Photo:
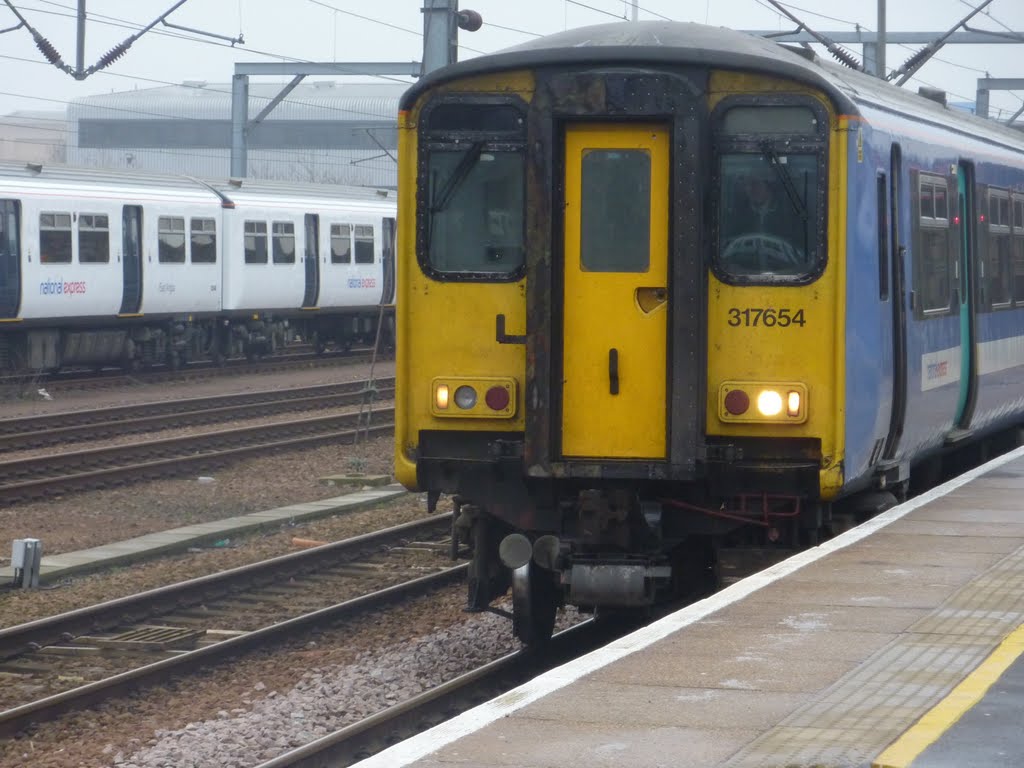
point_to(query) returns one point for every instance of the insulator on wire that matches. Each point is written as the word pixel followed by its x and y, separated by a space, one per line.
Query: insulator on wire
pixel 113 55
pixel 843 56
pixel 46 48
pixel 911 64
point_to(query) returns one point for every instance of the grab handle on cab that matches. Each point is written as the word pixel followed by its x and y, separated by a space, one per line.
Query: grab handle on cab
pixel 613 371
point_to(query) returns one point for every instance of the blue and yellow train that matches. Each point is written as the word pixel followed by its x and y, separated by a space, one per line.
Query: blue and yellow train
pixel 665 286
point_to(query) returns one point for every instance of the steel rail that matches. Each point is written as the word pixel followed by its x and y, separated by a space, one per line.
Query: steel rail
pixel 19 718
pixel 24 638
pixel 193 371
pixel 35 431
pixel 370 735
pixel 206 450
pixel 185 444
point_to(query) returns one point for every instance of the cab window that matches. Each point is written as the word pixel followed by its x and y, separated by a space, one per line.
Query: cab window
pixel 770 213
pixel 472 191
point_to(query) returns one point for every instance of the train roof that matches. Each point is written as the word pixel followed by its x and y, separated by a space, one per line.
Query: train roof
pixel 669 42
pixel 675 42
pixel 228 190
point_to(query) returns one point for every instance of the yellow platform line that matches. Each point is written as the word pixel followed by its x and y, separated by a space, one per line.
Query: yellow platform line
pixel 902 752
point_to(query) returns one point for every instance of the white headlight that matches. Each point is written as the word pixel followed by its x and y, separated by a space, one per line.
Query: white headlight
pixel 769 402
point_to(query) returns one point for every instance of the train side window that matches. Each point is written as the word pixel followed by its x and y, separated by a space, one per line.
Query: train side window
pixel 998 260
pixel 934 275
pixel 1018 248
pixel 341 243
pixel 204 241
pixel 284 242
pixel 55 238
pixel 255 242
pixel 364 245
pixel 171 243
pixel 93 238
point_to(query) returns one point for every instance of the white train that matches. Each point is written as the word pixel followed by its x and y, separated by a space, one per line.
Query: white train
pixel 110 268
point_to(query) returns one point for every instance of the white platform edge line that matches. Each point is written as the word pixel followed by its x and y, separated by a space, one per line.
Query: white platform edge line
pixel 423 744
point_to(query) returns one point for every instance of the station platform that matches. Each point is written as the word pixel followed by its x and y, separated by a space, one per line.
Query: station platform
pixel 56 567
pixel 893 645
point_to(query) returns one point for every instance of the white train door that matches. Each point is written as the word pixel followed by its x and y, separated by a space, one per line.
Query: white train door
pixel 10 258
pixel 131 260
pixel 388 291
pixel 312 260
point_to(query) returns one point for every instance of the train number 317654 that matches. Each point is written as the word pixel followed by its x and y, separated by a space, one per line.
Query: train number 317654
pixel 753 316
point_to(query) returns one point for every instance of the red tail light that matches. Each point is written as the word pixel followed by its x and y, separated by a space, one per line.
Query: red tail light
pixel 497 398
pixel 737 402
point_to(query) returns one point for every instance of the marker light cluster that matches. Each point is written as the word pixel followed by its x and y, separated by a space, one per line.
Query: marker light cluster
pixel 756 402
pixel 477 397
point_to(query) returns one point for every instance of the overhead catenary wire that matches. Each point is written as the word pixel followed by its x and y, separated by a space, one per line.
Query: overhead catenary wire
pixel 116 21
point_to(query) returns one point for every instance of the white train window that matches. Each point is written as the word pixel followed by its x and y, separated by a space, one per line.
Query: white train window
pixel 93 238
pixel 255 242
pixel 364 245
pixel 171 231
pixel 204 241
pixel 55 238
pixel 284 242
pixel 341 243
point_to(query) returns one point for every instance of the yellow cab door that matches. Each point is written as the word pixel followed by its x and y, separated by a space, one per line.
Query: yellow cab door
pixel 615 304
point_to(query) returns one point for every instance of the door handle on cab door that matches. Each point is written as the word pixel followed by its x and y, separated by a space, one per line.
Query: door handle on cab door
pixel 613 371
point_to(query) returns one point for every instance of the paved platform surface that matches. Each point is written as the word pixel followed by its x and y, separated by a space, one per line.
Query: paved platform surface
pixel 55 567
pixel 826 659
pixel 989 734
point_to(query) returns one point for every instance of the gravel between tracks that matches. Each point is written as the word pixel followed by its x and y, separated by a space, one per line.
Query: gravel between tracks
pixel 267 702
pixel 92 518
pixel 75 400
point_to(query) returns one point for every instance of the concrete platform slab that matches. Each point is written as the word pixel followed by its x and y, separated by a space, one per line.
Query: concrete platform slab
pixel 774 644
pixel 65 564
pixel 939 546
pixel 828 618
pixel 853 571
pixel 543 744
pixel 942 528
pixel 821 661
pixel 590 701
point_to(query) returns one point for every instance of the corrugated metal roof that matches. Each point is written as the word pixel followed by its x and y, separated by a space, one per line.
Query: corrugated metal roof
pixel 314 166
pixel 323 100
pixel 96 177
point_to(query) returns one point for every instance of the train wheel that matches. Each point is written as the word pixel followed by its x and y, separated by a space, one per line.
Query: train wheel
pixel 534 604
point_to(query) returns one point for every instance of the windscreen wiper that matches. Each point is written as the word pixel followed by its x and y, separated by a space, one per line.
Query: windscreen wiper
pixel 787 183
pixel 458 176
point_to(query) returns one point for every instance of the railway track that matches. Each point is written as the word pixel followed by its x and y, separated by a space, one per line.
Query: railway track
pixel 74 426
pixel 369 736
pixel 76 470
pixel 145 639
pixel 16 385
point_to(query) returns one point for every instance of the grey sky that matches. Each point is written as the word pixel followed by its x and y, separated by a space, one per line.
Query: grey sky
pixel 310 30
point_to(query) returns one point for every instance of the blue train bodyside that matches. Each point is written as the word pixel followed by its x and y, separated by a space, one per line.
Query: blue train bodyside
pixel 964 364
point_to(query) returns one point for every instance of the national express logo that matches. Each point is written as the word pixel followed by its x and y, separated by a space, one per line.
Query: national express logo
pixel 938 370
pixel 362 282
pixel 60 288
